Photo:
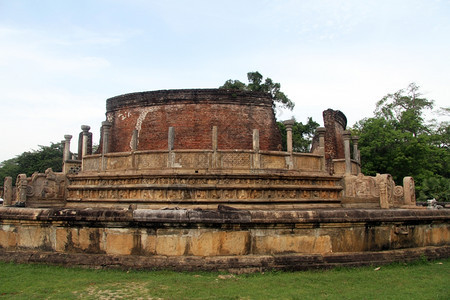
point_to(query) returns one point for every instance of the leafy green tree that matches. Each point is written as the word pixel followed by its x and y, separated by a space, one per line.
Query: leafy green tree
pixel 435 187
pixel 256 84
pixel 302 135
pixel 399 142
pixel 33 161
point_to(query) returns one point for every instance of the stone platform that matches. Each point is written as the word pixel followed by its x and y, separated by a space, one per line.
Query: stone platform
pixel 222 239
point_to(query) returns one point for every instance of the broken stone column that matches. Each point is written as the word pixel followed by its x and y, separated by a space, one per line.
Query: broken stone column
pixel 215 156
pixel 171 138
pixel 256 140
pixel 214 138
pixel 170 145
pixel 348 163
pixel 67 138
pixel 134 140
pixel 320 131
pixel 106 127
pixel 7 191
pixel 356 156
pixel 289 124
pixel 409 191
pixel 256 155
pixel 21 185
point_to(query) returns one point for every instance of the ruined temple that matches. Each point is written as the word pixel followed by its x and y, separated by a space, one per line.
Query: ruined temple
pixel 200 174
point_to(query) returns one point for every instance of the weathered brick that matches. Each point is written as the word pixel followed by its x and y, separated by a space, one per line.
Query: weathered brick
pixel 192 113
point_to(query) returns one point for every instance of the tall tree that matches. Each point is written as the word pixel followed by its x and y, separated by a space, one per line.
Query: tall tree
pixel 256 84
pixel 33 161
pixel 398 141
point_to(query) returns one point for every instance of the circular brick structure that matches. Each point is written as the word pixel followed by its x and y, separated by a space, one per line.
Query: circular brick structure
pixel 192 113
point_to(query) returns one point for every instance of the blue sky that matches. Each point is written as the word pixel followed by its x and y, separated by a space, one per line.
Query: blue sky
pixel 61 60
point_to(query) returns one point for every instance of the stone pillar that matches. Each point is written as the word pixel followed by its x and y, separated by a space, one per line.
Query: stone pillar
pixel 355 148
pixel 256 155
pixel 386 188
pixel 214 138
pixel 134 140
pixel 215 156
pixel 66 156
pixel 171 138
pixel 320 131
pixel 63 145
pixel 348 163
pixel 85 144
pixel 409 191
pixel 356 155
pixel 7 191
pixel 170 143
pixel 21 185
pixel 289 124
pixel 256 140
pixel 106 126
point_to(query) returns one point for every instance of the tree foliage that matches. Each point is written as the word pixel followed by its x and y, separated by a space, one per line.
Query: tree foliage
pixel 33 161
pixel 302 135
pixel 399 142
pixel 256 84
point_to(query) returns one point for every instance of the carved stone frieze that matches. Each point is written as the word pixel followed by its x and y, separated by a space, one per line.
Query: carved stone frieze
pixel 382 188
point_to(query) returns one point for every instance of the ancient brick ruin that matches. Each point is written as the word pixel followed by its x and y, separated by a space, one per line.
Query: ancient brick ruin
pixel 201 174
pixel 192 114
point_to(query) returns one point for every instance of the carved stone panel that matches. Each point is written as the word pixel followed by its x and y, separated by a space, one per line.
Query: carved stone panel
pixel 409 191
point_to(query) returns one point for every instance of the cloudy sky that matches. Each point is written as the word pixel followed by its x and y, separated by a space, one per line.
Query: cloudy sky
pixel 61 60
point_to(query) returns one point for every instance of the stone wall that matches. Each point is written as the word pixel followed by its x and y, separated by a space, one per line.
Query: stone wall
pixel 192 114
pixel 203 191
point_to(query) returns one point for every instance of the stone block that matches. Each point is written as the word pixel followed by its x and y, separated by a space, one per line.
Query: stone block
pixel 280 244
pixel 148 243
pixel 234 243
pixel 61 239
pixel 205 244
pixel 171 245
pixel 31 237
pixel 8 238
pixel 119 241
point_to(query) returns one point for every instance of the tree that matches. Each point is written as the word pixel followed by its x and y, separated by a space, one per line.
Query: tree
pixel 404 108
pixel 256 84
pixel 302 135
pixel 399 142
pixel 33 161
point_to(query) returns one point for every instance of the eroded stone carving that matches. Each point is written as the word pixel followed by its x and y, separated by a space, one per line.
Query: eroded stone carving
pixel 40 186
pixel 382 187
pixel 7 192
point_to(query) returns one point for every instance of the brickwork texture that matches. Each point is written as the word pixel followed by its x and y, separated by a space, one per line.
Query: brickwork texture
pixel 192 113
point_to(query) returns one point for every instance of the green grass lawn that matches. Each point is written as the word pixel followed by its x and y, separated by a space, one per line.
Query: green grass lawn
pixel 420 280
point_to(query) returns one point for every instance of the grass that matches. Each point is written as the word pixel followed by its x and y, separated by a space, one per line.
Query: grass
pixel 419 280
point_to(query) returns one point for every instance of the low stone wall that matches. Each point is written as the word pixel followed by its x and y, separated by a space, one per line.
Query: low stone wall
pixel 204 160
pixel 225 235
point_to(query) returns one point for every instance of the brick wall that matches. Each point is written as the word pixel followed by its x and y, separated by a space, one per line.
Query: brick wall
pixel 192 113
pixel 335 123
